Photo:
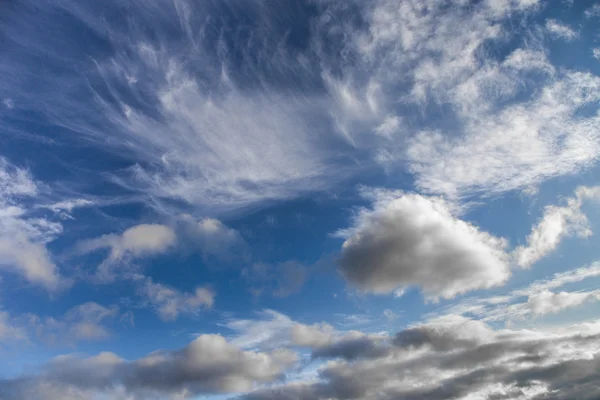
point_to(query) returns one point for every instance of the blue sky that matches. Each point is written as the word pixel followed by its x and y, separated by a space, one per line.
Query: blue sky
pixel 299 199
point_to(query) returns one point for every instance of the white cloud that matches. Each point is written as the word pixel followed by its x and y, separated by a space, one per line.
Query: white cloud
pixel 559 30
pixel 214 238
pixel 138 241
pixel 547 302
pixel 271 330
pixel 516 147
pixel 555 224
pixel 417 240
pixel 170 302
pixel 538 298
pixel 23 236
pixel 596 53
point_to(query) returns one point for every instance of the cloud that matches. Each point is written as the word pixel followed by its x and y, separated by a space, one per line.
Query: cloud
pixel 170 302
pixel 538 298
pixel 561 31
pixel 9 331
pixel 214 238
pixel 515 147
pixel 458 358
pixel 24 235
pixel 547 302
pixel 555 224
pixel 596 53
pixel 138 241
pixel 207 365
pixel 86 322
pixel 416 240
pixel 270 330
pixel 593 11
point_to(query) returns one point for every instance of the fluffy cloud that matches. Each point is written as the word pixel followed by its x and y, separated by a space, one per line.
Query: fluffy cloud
pixel 138 241
pixel 214 238
pixel 457 358
pixel 24 235
pixel 416 240
pixel 170 302
pixel 209 364
pixel 555 224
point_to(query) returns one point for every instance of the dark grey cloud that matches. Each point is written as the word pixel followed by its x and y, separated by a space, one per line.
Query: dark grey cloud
pixel 209 364
pixel 456 358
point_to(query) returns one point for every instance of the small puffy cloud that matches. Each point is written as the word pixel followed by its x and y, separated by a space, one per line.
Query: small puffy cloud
pixel 596 53
pixel 314 336
pixel 556 224
pixel 214 238
pixel 417 240
pixel 138 241
pixel 560 30
pixel 207 365
pixel 170 302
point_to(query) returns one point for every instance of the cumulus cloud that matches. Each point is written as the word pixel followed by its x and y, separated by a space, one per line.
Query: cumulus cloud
pixel 559 30
pixel 417 240
pixel 209 364
pixel 24 235
pixel 457 358
pixel 555 224
pixel 138 241
pixel 170 302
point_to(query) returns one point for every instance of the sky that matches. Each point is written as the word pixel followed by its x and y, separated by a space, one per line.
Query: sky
pixel 299 199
